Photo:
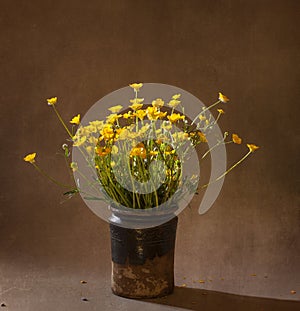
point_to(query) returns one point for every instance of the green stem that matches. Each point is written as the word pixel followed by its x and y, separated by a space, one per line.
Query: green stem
pixel 204 110
pixel 49 177
pixel 230 169
pixel 62 121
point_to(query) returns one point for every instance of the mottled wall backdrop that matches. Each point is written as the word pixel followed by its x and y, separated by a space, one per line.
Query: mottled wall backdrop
pixel 79 51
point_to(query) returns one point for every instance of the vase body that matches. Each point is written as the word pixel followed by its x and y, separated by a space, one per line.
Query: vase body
pixel 143 260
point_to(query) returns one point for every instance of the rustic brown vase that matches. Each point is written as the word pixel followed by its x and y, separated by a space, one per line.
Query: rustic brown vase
pixel 143 260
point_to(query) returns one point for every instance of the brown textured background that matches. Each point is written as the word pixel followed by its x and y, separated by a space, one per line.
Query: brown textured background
pixel 83 50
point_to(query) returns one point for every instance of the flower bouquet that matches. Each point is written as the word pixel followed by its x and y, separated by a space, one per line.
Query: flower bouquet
pixel 138 157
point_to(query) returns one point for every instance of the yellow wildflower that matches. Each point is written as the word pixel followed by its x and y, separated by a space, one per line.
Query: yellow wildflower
pixel 158 102
pixel 202 137
pixel 252 147
pixel 115 109
pixel 114 149
pixel 180 136
pixel 167 126
pixel 76 119
pixel 202 118
pixel 223 98
pixel 153 153
pixel 74 166
pixel 52 101
pixel 152 113
pixel 136 86
pixel 30 157
pixel 173 103
pixel 113 117
pixel 221 111
pixel 236 139
pixel 107 132
pixel 139 150
pixel 112 163
pixel 128 115
pixel 174 117
pixel 168 152
pixel 102 151
pixel 140 114
pixel 136 103
pixel 176 96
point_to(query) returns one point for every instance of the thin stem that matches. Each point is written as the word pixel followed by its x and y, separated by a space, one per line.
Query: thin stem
pixel 231 168
pixel 49 177
pixel 204 110
pixel 62 121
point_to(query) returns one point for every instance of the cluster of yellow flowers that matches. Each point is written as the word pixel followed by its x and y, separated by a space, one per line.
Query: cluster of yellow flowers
pixel 97 141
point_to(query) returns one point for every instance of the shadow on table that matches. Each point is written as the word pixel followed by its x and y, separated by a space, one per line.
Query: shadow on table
pixel 204 300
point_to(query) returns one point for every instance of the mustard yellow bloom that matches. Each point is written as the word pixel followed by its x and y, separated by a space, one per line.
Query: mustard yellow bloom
pixel 107 132
pixel 152 113
pixel 252 147
pixel 136 103
pixel 112 163
pixel 115 109
pixel 76 119
pixel 128 115
pixel 158 102
pixel 112 118
pixel 52 101
pixel 173 103
pixel 176 96
pixel 30 157
pixel 202 137
pixel 202 118
pixel 168 152
pixel 136 86
pixel 180 136
pixel 236 139
pixel 223 98
pixel 174 117
pixel 74 166
pixel 221 111
pixel 139 150
pixel 153 153
pixel 102 151
pixel 140 114
pixel 114 149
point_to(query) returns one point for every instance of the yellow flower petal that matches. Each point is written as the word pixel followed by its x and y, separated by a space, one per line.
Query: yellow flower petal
pixel 136 86
pixel 252 147
pixel 173 103
pixel 30 157
pixel 174 117
pixel 221 111
pixel 136 103
pixel 176 96
pixel 74 166
pixel 76 119
pixel 140 114
pixel 115 109
pixel 223 98
pixel 236 139
pixel 158 102
pixel 52 101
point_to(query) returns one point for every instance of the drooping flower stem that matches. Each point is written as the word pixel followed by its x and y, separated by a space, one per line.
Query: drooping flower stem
pixel 204 110
pixel 62 121
pixel 49 177
pixel 230 169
